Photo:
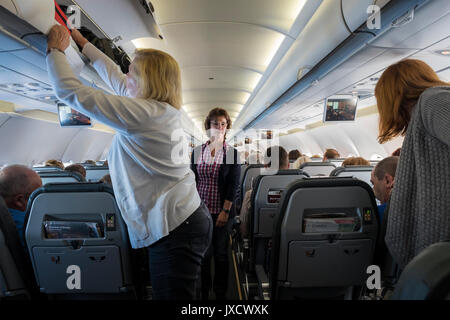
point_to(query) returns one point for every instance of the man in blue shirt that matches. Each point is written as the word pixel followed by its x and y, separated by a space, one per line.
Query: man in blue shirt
pixel 17 182
pixel 382 179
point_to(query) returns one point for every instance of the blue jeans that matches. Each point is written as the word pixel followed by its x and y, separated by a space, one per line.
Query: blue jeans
pixel 175 260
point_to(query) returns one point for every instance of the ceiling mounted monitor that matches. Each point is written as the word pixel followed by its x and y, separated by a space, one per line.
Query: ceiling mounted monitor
pixel 340 108
pixel 69 117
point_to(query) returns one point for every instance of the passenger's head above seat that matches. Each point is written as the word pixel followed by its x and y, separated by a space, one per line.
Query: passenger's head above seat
pixel 297 163
pixel 78 168
pixel 383 178
pixel 355 161
pixel 54 163
pixel 283 159
pixel 90 162
pixel 294 155
pixel 330 154
pixel 106 179
pixel 17 182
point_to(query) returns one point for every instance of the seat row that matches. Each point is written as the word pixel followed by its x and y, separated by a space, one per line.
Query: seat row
pixel 76 241
pixel 57 175
pixel 310 238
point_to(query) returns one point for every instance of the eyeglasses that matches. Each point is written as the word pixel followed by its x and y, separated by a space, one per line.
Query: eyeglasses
pixel 217 124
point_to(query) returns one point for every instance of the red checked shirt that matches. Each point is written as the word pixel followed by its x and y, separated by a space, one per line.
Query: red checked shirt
pixel 208 177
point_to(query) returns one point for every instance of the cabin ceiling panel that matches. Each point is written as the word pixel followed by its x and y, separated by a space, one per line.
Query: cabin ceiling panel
pixel 275 14
pixel 201 109
pixel 223 77
pixel 213 96
pixel 221 44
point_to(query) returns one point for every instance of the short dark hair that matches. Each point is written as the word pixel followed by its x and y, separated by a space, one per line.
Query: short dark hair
pixel 282 154
pixel 214 114
pixel 387 165
pixel 294 154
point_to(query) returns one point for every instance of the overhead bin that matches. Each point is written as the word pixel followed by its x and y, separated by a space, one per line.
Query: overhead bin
pixel 139 18
pixel 23 71
pixel 38 13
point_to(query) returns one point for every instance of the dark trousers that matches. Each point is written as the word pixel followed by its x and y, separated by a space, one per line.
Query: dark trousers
pixel 175 260
pixel 219 250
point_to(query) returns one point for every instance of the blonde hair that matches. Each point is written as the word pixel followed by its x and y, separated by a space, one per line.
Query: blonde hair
pixel 158 76
pixel 54 163
pixel 301 160
pixel 397 92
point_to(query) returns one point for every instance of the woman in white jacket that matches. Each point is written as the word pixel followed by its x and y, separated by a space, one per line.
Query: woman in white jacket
pixel 156 194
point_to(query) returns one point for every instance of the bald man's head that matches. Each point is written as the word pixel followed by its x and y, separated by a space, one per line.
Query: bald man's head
pixel 17 182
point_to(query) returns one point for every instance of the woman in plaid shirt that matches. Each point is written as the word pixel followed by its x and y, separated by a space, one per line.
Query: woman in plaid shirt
pixel 217 169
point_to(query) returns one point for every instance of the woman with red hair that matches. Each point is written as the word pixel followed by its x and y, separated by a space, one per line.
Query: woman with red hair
pixel 413 101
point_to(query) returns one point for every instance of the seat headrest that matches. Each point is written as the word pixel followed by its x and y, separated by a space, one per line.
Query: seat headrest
pixel 71 187
pixel 60 174
pixel 317 164
pixel 338 170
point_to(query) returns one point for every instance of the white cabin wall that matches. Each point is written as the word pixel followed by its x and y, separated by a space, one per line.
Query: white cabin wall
pixel 88 145
pixel 356 138
pixel 30 141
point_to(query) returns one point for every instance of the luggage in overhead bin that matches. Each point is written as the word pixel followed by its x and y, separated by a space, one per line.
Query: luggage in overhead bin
pixel 108 47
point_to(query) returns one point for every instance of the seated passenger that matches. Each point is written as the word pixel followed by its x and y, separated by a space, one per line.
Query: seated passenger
pixel 54 163
pixel 412 101
pixel 78 168
pixel 106 179
pixel 355 161
pixel 17 182
pixel 396 153
pixel 294 155
pixel 283 161
pixel 330 154
pixel 301 160
pixel 90 162
pixel 382 178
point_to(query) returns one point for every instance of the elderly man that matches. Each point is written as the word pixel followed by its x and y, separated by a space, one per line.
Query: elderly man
pixel 382 179
pixel 17 182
